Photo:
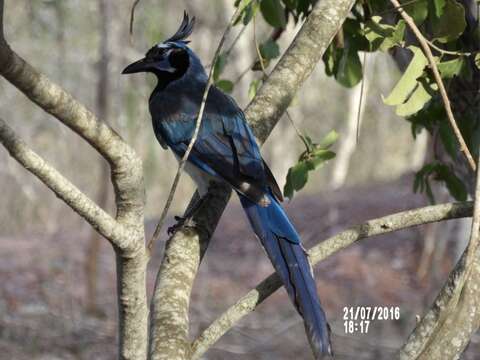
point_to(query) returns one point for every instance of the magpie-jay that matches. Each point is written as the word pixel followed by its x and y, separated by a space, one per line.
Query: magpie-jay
pixel 226 150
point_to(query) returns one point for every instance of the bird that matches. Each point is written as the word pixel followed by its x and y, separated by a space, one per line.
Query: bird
pixel 226 151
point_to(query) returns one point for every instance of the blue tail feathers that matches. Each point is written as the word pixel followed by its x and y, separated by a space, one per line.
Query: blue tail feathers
pixel 282 244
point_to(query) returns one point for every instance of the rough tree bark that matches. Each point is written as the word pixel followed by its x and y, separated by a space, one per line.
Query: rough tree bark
pixel 126 231
pixel 446 328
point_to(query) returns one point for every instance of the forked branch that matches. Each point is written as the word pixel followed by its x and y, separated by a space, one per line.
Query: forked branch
pixel 324 249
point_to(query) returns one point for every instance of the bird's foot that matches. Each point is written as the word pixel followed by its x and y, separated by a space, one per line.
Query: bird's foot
pixel 181 222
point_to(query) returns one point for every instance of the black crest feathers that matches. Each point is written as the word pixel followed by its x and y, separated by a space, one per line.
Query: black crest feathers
pixel 185 29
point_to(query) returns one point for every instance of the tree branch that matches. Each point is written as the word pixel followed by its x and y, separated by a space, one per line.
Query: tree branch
pixel 126 166
pixel 278 91
pixel 438 79
pixel 263 113
pixel 375 227
pixel 127 179
pixel 169 311
pixel 64 189
pixel 446 328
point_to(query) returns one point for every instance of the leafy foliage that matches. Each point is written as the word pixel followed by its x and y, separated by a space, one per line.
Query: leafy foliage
pixel 439 172
pixel 374 25
pixel 223 84
pixel 315 156
pixel 273 12
pixel 415 96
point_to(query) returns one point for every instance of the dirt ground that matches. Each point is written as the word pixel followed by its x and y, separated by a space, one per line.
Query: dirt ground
pixel 42 292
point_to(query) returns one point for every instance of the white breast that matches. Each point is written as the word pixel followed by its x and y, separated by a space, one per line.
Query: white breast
pixel 200 177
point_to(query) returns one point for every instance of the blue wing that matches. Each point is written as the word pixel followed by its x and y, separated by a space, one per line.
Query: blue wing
pixel 225 146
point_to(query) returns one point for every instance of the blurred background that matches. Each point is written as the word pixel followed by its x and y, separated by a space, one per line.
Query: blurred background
pixel 57 279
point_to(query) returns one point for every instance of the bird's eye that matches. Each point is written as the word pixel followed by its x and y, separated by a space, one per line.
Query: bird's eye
pixel 155 53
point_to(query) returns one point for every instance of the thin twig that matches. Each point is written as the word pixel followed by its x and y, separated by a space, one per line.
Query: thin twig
pixel 448 52
pixel 321 251
pixel 132 18
pixel 231 47
pixel 195 135
pixel 438 79
pixel 100 220
pixel 362 91
pixel 475 232
pixel 406 3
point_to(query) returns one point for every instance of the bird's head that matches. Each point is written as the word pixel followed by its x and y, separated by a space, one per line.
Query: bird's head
pixel 170 58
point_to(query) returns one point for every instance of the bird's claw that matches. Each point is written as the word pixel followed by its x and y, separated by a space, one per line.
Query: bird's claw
pixel 181 222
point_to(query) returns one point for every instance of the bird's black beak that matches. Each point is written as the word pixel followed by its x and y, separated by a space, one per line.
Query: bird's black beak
pixel 136 67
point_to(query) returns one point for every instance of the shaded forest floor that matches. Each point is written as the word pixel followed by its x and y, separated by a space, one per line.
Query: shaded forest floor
pixel 42 291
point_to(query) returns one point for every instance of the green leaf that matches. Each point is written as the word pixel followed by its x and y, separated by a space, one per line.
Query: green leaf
pixel 477 60
pixel 320 157
pixel 454 185
pixel 354 35
pixel 248 14
pixel 315 156
pixel 451 68
pixel 273 13
pixel 417 9
pixel 408 81
pixel 450 24
pixel 328 140
pixel 443 173
pixel 422 181
pixel 247 9
pixel 349 72
pixel 420 96
pixel 296 179
pixel 329 60
pixel 252 89
pixel 269 49
pixel 439 6
pixel 291 4
pixel 396 39
pixel 449 140
pixel 383 36
pixel 219 66
pixel 225 85
pixel 307 141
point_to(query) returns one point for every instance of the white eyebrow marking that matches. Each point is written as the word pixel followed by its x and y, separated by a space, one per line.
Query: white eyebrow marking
pixel 164 45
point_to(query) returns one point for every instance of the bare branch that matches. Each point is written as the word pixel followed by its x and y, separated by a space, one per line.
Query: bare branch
pixel 379 226
pixel 263 113
pixel 126 166
pixel 127 179
pixel 445 330
pixel 438 79
pixel 64 189
pixel 132 18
